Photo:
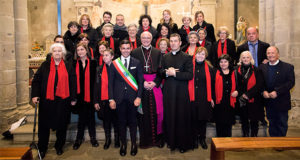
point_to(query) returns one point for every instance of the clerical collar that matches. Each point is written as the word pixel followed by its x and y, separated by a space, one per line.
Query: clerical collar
pixel 175 52
pixel 274 63
pixel 147 48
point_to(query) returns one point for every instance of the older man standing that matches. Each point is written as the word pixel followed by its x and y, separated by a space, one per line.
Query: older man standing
pixel 150 122
pixel 255 46
pixel 279 80
pixel 120 29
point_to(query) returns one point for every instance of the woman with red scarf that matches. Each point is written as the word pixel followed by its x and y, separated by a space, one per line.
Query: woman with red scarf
pixel 205 43
pixel 223 46
pixel 145 23
pixel 225 97
pixel 107 32
pixel 85 68
pixel 191 47
pixel 200 92
pixel 84 38
pixel 185 30
pixel 250 83
pixel 53 86
pixel 102 46
pixel 164 45
pixel 134 40
pixel 101 102
pixel 164 32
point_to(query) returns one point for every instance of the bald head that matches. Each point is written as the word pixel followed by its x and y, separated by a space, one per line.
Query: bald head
pixel 146 38
pixel 273 54
pixel 252 34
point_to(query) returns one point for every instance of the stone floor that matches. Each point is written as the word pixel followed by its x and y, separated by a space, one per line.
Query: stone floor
pixel 87 152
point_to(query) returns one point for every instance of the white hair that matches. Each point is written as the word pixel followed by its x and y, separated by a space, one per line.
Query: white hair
pixel 245 53
pixel 64 51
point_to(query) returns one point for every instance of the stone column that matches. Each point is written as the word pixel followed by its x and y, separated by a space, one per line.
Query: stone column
pixel 279 25
pixel 8 89
pixel 21 49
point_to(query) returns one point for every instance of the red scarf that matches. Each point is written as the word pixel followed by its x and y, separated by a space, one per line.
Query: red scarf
pixel 104 84
pixel 81 30
pixel 111 42
pixel 87 96
pixel 100 60
pixel 251 82
pixel 220 48
pixel 62 88
pixel 187 30
pixel 187 51
pixel 156 45
pixel 203 43
pixel 219 88
pixel 92 52
pixel 146 29
pixel 208 83
pixel 133 46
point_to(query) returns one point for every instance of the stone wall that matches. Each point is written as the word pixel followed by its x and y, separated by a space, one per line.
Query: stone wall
pixel 279 25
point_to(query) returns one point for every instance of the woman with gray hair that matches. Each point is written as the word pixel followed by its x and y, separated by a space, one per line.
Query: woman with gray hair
pixel 134 40
pixel 192 45
pixel 54 87
pixel 250 81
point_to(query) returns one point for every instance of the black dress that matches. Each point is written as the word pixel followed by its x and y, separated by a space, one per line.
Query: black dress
pixel 53 114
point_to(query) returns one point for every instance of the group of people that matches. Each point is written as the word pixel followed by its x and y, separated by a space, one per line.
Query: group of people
pixel 167 82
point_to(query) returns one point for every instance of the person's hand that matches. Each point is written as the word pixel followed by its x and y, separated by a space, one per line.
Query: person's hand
pixel 273 94
pixel 152 84
pixel 245 96
pixel 137 102
pixel 234 94
pixel 146 85
pixel 266 95
pixel 97 106
pixel 73 103
pixel 112 104
pixel 35 100
pixel 212 103
pixel 265 61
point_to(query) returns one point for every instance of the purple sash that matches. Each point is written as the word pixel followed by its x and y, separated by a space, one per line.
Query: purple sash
pixel 158 101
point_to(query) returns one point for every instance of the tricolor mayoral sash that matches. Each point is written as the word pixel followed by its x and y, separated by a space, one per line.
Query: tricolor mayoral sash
pixel 128 78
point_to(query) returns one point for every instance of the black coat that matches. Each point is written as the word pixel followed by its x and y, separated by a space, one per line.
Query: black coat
pixel 117 84
pixel 138 41
pixel 184 35
pixel 173 29
pixel 284 81
pixel 261 50
pixel 70 41
pixel 53 113
pixel 98 82
pixel 116 47
pixel 255 110
pixel 209 29
pixel 99 28
pixel 93 36
pixel 152 30
pixel 231 51
pixel 120 34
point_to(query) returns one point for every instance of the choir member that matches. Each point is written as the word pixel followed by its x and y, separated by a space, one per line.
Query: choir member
pixel 107 32
pixel 101 102
pixel 86 27
pixel 192 45
pixel 164 45
pixel 54 89
pixel 200 92
pixel 169 21
pixel 223 46
pixel 150 122
pixel 225 96
pixel 106 19
pixel 185 30
pixel 249 80
pixel 103 45
pixel 201 23
pixel 145 23
pixel 134 40
pixel 70 37
pixel 163 32
pixel 205 43
pixel 125 92
pixel 177 70
pixel 120 30
pixel 85 68
pixel 84 38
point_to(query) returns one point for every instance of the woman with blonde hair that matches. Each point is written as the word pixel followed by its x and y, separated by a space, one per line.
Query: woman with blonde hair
pixel 201 23
pixel 113 43
pixel 168 20
pixel 185 29
pixel 86 27
pixel 250 82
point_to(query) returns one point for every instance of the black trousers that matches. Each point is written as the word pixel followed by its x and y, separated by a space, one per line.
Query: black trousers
pixel 44 133
pixel 199 129
pixel 224 130
pixel 249 124
pixel 86 118
pixel 127 115
pixel 110 118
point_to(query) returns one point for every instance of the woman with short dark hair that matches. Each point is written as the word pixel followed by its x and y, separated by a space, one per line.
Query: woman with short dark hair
pixel 145 23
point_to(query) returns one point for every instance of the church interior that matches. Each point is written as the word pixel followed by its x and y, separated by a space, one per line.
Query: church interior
pixel 29 26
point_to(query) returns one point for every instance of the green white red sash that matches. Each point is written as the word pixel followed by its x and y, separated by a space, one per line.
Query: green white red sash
pixel 129 79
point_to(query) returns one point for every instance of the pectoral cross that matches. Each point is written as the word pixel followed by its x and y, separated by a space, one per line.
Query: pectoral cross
pixel 146 67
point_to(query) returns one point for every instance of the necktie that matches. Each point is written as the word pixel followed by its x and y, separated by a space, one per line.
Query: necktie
pixel 125 64
pixel 254 54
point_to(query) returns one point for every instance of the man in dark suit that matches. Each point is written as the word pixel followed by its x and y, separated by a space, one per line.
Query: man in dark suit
pixel 125 91
pixel 255 46
pixel 279 80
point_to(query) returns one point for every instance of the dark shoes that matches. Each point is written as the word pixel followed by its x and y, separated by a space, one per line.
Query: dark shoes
pixel 77 144
pixel 203 143
pixel 94 142
pixel 123 150
pixel 134 149
pixel 59 151
pixel 43 154
pixel 107 143
pixel 117 141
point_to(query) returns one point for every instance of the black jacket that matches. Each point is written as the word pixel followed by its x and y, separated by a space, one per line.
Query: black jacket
pixel 209 29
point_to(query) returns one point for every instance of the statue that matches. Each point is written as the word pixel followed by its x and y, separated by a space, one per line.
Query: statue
pixel 241 31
